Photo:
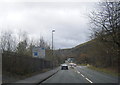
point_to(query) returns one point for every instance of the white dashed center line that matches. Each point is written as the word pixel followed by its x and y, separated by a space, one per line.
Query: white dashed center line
pixel 78 71
pixel 82 75
pixel 89 80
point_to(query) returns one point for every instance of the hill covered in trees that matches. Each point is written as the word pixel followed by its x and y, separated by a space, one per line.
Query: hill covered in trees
pixel 94 52
pixel 103 50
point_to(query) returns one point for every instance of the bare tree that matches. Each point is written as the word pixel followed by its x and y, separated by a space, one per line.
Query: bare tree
pixel 106 22
pixel 42 43
pixel 106 28
pixel 7 41
pixel 23 43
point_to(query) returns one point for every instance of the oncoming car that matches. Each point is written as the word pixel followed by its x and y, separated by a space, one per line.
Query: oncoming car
pixel 72 64
pixel 64 67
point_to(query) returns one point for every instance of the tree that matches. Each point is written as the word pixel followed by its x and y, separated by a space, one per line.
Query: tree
pixel 42 43
pixel 22 47
pixel 30 47
pixel 106 27
pixel 7 41
pixel 106 22
pixel 23 43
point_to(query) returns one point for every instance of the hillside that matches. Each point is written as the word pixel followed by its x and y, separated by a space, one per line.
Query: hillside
pixel 94 52
pixel 75 51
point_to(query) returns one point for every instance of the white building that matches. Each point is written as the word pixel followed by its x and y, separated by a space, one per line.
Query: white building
pixel 38 52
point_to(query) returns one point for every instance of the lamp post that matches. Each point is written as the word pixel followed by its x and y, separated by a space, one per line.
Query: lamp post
pixel 52 38
pixel 52 44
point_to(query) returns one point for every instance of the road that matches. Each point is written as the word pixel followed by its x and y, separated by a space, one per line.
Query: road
pixel 81 74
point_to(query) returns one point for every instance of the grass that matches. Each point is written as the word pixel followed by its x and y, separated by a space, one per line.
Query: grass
pixel 81 64
pixel 14 77
pixel 37 72
pixel 110 71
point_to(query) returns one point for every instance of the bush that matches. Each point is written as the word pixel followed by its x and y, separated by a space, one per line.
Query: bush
pixel 22 64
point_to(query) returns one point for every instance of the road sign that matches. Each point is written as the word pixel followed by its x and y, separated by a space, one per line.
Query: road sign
pixel 38 52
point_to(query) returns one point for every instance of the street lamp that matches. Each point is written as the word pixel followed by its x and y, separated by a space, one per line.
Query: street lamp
pixel 52 38
pixel 52 44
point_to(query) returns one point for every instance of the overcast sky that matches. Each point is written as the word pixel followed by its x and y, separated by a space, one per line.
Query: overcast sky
pixel 38 18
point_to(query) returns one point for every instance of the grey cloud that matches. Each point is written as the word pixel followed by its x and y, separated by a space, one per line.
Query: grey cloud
pixel 68 19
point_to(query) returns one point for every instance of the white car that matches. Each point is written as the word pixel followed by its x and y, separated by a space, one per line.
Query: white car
pixel 64 67
pixel 72 64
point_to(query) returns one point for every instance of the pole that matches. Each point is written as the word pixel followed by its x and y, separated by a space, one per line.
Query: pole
pixel 52 42
pixel 52 47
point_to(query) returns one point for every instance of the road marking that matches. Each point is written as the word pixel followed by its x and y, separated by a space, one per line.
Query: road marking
pixel 75 71
pixel 89 80
pixel 82 75
pixel 78 71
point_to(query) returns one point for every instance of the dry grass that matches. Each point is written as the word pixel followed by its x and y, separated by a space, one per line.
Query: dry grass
pixel 11 77
pixel 111 71
pixel 81 64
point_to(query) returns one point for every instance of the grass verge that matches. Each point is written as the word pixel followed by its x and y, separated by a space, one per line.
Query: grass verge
pixel 111 71
pixel 12 77
pixel 81 64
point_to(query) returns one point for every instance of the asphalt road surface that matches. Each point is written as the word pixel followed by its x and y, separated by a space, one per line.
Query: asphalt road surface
pixel 81 74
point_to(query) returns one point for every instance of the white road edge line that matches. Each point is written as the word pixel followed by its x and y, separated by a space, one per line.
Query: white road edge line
pixel 89 80
pixel 82 75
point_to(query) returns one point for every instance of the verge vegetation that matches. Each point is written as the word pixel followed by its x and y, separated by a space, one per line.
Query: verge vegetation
pixel 110 71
